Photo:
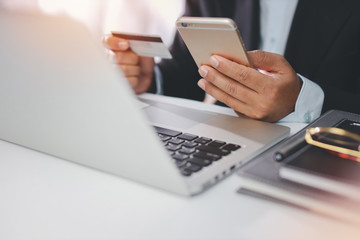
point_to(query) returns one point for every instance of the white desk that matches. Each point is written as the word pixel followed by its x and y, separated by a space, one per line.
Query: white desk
pixel 43 197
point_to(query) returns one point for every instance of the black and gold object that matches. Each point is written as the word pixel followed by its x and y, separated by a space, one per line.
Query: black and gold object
pixel 343 143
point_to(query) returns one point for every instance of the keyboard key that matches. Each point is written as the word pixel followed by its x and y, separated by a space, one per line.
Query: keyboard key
pixel 171 147
pixel 190 144
pixel 164 138
pixel 216 143
pixel 221 152
pixel 180 164
pixel 208 156
pixel 200 161
pixel 186 172
pixel 180 157
pixel 167 132
pixel 192 167
pixel 176 141
pixel 187 136
pixel 231 147
pixel 187 151
pixel 203 140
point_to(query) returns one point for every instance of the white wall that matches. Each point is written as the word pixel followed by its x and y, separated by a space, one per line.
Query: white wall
pixel 143 16
pixel 102 16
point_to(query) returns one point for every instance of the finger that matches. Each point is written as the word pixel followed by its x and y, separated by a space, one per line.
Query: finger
pixel 147 71
pixel 126 58
pixel 228 85
pixel 267 61
pixel 115 44
pixel 147 65
pixel 241 108
pixel 131 70
pixel 247 76
pixel 133 81
pixel 223 97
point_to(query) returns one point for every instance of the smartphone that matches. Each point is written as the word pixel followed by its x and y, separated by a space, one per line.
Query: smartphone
pixel 206 36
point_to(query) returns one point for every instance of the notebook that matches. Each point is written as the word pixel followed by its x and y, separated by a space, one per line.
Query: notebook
pixel 262 177
pixel 321 169
pixel 60 95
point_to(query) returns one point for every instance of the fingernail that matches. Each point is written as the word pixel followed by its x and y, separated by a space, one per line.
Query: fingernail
pixel 123 45
pixel 203 71
pixel 201 84
pixel 214 61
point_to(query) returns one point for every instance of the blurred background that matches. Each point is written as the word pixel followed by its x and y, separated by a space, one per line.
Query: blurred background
pixel 102 16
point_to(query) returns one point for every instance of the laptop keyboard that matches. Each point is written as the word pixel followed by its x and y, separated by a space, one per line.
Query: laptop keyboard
pixel 192 153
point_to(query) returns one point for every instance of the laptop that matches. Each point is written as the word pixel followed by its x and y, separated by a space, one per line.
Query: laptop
pixel 60 95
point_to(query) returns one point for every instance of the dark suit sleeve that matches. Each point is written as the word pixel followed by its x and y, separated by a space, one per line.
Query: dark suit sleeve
pixel 340 98
pixel 337 72
pixel 324 46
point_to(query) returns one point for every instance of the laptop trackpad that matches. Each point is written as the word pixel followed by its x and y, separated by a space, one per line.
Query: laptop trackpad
pixel 176 116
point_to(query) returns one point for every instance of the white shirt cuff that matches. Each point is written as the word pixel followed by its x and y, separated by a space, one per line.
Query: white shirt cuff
pixel 309 103
pixel 158 81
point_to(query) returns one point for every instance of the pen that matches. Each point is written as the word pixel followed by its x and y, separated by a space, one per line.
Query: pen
pixel 289 149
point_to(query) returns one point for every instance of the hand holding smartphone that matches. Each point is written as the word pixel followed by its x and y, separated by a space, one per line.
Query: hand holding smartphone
pixel 205 36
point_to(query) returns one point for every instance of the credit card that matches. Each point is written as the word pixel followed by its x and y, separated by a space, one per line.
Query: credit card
pixel 145 45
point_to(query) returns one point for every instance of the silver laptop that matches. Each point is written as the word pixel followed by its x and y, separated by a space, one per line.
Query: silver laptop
pixel 61 96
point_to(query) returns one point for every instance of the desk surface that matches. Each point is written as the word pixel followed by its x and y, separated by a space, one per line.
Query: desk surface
pixel 43 197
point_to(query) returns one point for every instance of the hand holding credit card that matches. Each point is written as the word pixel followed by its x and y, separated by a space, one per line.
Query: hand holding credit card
pixel 145 45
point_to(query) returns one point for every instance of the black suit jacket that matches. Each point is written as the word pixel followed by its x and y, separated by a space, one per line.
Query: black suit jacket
pixel 323 45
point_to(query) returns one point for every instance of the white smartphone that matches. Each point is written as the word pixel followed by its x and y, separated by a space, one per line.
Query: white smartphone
pixel 206 36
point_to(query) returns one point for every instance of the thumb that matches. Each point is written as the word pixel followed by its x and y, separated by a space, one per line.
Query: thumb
pixel 115 43
pixel 267 61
